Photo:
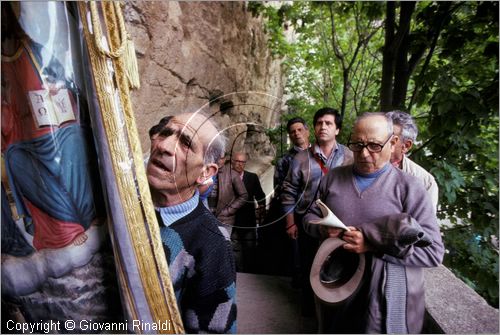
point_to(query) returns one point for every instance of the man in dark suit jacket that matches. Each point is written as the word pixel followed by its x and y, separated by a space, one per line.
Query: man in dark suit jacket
pixel 245 232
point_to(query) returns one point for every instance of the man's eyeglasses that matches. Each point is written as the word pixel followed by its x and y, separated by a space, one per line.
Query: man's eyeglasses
pixel 241 162
pixel 371 146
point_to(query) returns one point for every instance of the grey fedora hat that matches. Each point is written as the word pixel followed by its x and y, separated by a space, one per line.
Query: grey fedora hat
pixel 336 274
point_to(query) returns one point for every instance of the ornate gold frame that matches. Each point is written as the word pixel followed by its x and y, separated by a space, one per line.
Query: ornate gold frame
pixel 114 71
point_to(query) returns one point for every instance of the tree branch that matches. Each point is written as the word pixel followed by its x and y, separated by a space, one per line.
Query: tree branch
pixel 407 8
pixel 388 57
pixel 445 18
pixel 336 49
pixel 425 144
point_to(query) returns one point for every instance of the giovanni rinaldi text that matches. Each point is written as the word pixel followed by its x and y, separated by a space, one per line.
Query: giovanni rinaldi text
pixel 88 325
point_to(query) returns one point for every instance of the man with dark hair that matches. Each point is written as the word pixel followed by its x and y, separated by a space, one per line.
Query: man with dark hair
pixel 154 130
pixel 200 257
pixel 298 132
pixel 328 111
pixel 406 131
pixel 392 221
pixel 279 245
pixel 153 134
pixel 300 188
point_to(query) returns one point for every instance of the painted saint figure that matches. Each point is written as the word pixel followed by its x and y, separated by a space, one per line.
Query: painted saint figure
pixel 44 143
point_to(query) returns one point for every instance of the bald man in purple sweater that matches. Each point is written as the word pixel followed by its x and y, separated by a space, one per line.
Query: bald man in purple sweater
pixel 392 221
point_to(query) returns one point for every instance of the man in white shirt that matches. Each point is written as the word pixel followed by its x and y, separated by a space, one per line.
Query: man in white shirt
pixel 406 131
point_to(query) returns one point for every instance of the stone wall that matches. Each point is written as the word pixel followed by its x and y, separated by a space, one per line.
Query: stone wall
pixel 206 55
pixel 452 307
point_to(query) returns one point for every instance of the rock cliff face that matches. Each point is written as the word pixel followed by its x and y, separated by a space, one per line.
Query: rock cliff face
pixel 206 55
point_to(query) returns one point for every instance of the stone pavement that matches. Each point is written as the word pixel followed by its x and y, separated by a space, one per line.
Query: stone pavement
pixel 269 305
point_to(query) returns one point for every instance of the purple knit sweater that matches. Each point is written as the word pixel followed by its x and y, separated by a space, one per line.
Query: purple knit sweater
pixel 383 211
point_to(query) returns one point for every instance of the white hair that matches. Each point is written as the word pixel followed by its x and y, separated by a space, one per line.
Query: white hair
pixel 409 130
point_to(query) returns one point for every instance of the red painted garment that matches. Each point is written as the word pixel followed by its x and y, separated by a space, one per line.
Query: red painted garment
pixel 22 74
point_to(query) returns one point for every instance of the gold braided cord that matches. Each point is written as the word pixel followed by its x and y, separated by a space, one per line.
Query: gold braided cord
pixel 142 183
pixel 103 84
pixel 136 200
pixel 124 49
pixel 96 25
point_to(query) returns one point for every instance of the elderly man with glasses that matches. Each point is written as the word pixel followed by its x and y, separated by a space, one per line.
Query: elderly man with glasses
pixel 248 217
pixel 392 221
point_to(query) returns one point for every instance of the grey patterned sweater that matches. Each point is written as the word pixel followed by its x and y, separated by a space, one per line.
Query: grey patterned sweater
pixel 202 271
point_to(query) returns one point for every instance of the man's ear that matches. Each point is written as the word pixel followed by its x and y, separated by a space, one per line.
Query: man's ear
pixel 209 170
pixel 393 141
pixel 407 146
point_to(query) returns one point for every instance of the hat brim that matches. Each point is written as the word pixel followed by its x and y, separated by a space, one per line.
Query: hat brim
pixel 332 294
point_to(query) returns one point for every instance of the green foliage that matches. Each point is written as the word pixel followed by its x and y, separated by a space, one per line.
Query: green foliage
pixel 314 73
pixel 461 129
pixel 456 103
pixel 278 136
pixel 469 253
